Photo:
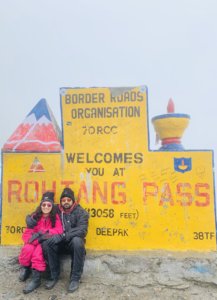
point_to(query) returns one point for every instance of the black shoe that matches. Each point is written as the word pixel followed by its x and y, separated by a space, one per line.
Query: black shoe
pixel 73 286
pixel 24 273
pixel 49 284
pixel 34 283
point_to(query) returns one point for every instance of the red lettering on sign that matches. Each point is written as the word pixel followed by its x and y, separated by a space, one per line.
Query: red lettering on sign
pixel 181 187
pixel 67 183
pixel 121 194
pixel 14 190
pixel 44 187
pixel 103 195
pixel 204 195
pixel 146 193
pixel 82 193
pixel 166 195
pixel 150 189
pixel 36 191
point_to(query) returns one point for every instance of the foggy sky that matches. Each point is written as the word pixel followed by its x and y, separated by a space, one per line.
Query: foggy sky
pixel 169 46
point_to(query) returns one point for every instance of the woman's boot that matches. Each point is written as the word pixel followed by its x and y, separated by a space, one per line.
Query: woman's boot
pixel 34 282
pixel 24 273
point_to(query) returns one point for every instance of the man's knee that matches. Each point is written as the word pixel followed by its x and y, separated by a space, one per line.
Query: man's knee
pixel 77 242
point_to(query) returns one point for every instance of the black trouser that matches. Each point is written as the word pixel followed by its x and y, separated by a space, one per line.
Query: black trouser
pixel 75 248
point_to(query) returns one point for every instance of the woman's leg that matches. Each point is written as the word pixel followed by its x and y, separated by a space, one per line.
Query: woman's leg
pixel 25 256
pixel 25 261
pixel 38 261
pixel 38 266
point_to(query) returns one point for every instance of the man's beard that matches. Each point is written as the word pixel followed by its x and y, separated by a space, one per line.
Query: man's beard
pixel 66 206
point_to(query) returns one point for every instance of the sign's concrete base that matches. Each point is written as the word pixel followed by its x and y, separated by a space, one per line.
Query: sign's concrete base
pixel 127 275
pixel 141 269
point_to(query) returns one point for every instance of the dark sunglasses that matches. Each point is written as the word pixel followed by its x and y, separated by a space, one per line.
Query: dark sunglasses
pixel 66 200
pixel 46 204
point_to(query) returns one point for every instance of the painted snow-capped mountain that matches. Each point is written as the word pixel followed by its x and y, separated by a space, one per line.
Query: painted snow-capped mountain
pixel 39 132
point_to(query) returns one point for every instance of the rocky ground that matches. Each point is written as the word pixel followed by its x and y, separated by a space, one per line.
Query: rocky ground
pixel 120 276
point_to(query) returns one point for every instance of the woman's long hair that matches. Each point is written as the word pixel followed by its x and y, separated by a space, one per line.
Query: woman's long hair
pixel 38 214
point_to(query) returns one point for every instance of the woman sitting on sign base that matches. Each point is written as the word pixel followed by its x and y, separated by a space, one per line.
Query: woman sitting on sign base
pixel 45 223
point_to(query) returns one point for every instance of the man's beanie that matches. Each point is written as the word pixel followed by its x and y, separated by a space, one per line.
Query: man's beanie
pixel 48 197
pixel 67 192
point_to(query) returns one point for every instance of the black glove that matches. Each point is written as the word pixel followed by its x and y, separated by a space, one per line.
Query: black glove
pixel 35 236
pixel 43 237
pixel 56 239
pixel 30 221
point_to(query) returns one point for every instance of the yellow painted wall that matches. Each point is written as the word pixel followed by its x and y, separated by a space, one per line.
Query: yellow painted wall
pixel 22 189
pixel 136 198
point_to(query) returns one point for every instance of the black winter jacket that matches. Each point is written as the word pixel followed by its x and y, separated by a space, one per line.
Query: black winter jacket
pixel 74 223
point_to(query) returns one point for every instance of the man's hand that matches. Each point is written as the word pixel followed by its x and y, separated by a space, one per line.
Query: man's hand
pixel 56 239
pixel 43 237
pixel 67 237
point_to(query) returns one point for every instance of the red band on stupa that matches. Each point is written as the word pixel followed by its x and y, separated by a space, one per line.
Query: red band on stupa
pixel 171 141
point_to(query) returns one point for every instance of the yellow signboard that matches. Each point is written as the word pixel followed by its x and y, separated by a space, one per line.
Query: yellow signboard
pixel 137 199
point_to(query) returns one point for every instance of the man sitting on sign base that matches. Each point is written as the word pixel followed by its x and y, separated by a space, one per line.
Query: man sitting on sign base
pixel 75 225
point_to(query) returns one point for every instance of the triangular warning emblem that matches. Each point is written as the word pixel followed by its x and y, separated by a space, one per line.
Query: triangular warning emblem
pixel 36 166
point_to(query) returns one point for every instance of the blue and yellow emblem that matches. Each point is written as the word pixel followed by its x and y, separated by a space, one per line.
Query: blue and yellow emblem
pixel 182 164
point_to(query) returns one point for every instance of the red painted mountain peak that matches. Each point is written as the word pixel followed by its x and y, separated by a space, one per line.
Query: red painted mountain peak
pixel 39 132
